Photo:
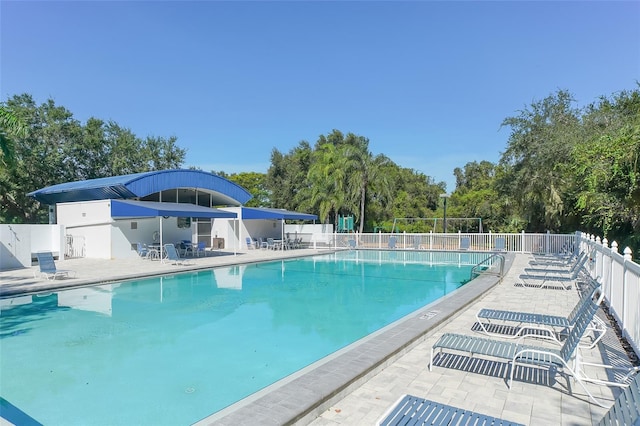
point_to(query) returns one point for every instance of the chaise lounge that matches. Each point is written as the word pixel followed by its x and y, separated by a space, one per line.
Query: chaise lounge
pixel 494 322
pixel 566 358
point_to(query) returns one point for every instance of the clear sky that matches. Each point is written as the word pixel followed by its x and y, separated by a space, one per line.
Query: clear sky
pixel 428 83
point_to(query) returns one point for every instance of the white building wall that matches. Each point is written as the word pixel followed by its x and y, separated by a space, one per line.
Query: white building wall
pixel 84 213
pixel 15 246
pixel 89 222
pixel 19 243
pixel 310 233
pixel 96 239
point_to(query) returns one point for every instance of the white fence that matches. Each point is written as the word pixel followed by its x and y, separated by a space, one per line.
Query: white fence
pixel 620 278
pixel 525 243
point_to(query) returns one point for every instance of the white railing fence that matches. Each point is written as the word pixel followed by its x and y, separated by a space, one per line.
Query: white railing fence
pixel 620 278
pixel 526 243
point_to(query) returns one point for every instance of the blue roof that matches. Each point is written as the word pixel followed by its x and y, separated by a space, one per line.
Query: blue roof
pixel 132 208
pixel 223 191
pixel 264 213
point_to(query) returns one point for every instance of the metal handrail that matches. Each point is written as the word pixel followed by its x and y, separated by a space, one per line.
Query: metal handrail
pixel 488 266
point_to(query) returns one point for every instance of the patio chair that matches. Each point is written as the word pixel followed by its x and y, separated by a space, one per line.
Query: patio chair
pixel 143 250
pixel 263 243
pixel 500 244
pixel 580 260
pixel 392 242
pixel 541 325
pixel 200 248
pixel 560 260
pixel 411 410
pixel 272 245
pixel 251 245
pixel 174 256
pixel 185 247
pixel 351 243
pixel 417 243
pixel 465 243
pixel 47 267
pixel 626 408
pixel 563 279
pixel 566 358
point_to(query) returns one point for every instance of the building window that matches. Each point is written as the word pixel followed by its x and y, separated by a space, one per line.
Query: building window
pixel 184 222
pixel 134 225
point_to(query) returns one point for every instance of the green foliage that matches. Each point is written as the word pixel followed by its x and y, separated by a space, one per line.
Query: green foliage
pixel 607 169
pixel 564 169
pixel 54 148
pixel 253 182
pixel 10 124
pixel 340 176
pixel 535 161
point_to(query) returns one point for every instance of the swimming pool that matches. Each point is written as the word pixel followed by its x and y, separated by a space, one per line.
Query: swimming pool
pixel 175 349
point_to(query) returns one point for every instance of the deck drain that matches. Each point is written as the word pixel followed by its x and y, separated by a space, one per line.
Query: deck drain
pixel 428 315
pixel 189 390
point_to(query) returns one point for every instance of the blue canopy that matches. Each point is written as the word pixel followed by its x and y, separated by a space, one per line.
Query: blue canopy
pixel 131 208
pixel 138 185
pixel 264 213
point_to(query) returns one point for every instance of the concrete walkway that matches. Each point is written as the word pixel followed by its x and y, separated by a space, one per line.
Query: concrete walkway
pixel 535 398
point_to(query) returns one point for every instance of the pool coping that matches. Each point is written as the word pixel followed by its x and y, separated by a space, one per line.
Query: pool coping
pixel 301 398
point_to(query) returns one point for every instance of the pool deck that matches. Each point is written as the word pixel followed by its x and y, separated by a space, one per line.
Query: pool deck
pixel 358 384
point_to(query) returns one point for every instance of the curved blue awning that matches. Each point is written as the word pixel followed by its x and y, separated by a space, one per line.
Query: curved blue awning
pixel 132 208
pixel 223 191
pixel 265 213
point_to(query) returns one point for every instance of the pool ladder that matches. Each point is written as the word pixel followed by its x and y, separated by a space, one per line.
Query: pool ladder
pixel 493 265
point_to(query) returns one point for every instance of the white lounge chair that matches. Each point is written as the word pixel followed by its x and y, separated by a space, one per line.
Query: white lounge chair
pixel 566 358
pixel 563 279
pixel 492 321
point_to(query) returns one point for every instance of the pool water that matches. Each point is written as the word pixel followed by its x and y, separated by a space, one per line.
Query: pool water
pixel 175 349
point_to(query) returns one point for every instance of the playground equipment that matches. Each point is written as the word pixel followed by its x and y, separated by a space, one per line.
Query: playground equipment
pixel 345 223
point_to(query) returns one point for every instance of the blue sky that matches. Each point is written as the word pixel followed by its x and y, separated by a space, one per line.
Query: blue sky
pixel 429 83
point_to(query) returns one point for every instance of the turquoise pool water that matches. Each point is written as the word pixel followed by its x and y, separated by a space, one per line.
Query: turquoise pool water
pixel 175 349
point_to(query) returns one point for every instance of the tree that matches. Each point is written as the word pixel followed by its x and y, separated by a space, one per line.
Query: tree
pixel 56 148
pixel 287 177
pixel 255 184
pixel 327 180
pixel 10 125
pixel 607 169
pixel 536 160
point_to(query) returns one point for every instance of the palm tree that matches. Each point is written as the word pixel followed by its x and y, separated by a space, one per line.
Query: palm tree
pixel 9 125
pixel 327 180
pixel 365 176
